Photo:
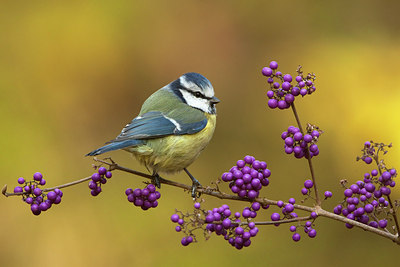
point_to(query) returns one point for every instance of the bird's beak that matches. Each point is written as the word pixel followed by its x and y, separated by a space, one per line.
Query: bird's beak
pixel 215 100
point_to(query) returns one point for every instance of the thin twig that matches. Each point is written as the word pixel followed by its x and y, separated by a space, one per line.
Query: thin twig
pixel 310 165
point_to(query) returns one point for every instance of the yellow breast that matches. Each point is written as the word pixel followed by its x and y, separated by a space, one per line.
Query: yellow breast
pixel 173 153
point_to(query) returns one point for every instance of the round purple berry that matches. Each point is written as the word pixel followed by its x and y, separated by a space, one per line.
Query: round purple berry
pixel 37 191
pixel 37 176
pixel 102 170
pixel 96 177
pixel 273 65
pixel 18 189
pixel 275 217
pixel 21 180
pixel 286 86
pixel 296 237
pixel 382 223
pixel 272 103
pixel 287 78
pixel 308 184
pixel 174 218
pixel 304 191
pixel 266 71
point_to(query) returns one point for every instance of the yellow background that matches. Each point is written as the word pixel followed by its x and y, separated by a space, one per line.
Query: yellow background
pixel 73 73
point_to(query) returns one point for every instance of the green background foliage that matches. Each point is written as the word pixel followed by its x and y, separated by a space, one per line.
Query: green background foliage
pixel 72 73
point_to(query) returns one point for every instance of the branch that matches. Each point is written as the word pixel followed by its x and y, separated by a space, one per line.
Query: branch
pixel 218 194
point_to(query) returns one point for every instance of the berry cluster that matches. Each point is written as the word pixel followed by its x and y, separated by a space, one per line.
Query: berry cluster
pixel 308 185
pixel 221 221
pixel 247 178
pixel 311 232
pixel 287 210
pixel 99 178
pixel 288 213
pixel 145 198
pixel 371 151
pixel 187 223
pixel 283 89
pixel 298 143
pixel 238 234
pixel 33 195
pixel 366 200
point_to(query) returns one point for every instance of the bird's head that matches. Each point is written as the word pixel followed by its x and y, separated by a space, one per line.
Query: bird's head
pixel 196 91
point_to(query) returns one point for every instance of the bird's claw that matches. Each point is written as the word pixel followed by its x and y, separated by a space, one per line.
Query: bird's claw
pixel 156 180
pixel 195 193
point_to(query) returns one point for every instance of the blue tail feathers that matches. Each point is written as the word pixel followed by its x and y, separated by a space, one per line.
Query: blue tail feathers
pixel 114 146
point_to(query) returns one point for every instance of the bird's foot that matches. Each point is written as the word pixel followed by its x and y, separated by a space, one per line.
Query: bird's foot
pixel 195 184
pixel 195 193
pixel 156 180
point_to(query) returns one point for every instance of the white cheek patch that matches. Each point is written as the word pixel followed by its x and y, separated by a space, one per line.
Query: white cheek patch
pixel 195 102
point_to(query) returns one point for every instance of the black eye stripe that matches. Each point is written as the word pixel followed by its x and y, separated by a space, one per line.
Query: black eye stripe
pixel 198 94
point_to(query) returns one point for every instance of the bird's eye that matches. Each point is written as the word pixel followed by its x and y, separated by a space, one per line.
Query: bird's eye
pixel 197 94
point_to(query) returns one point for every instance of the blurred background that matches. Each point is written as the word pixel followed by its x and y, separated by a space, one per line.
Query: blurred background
pixel 73 73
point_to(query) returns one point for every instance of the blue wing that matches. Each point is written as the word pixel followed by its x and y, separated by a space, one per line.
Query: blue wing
pixel 150 125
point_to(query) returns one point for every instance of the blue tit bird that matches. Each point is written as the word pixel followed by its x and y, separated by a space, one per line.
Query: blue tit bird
pixel 173 126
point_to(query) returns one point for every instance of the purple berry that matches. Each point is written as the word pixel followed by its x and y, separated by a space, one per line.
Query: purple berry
pixel 197 205
pixel 174 218
pixel 266 71
pixel 273 65
pixel 108 175
pixel 35 209
pixel 308 184
pixel 289 208
pixel 275 216
pixel 37 191
pixel 21 180
pixel 328 194
pixel 96 177
pixel 382 223
pixel 287 78
pixel 37 176
pixel 304 191
pixel 369 208
pixel 348 193
pixel 102 170
pixel 18 189
pixel 240 163
pixel 296 237
pixel 52 195
pixel 312 233
pixel 256 206
pixel 295 91
pixel 286 86
pixel 282 104
pixel 367 160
